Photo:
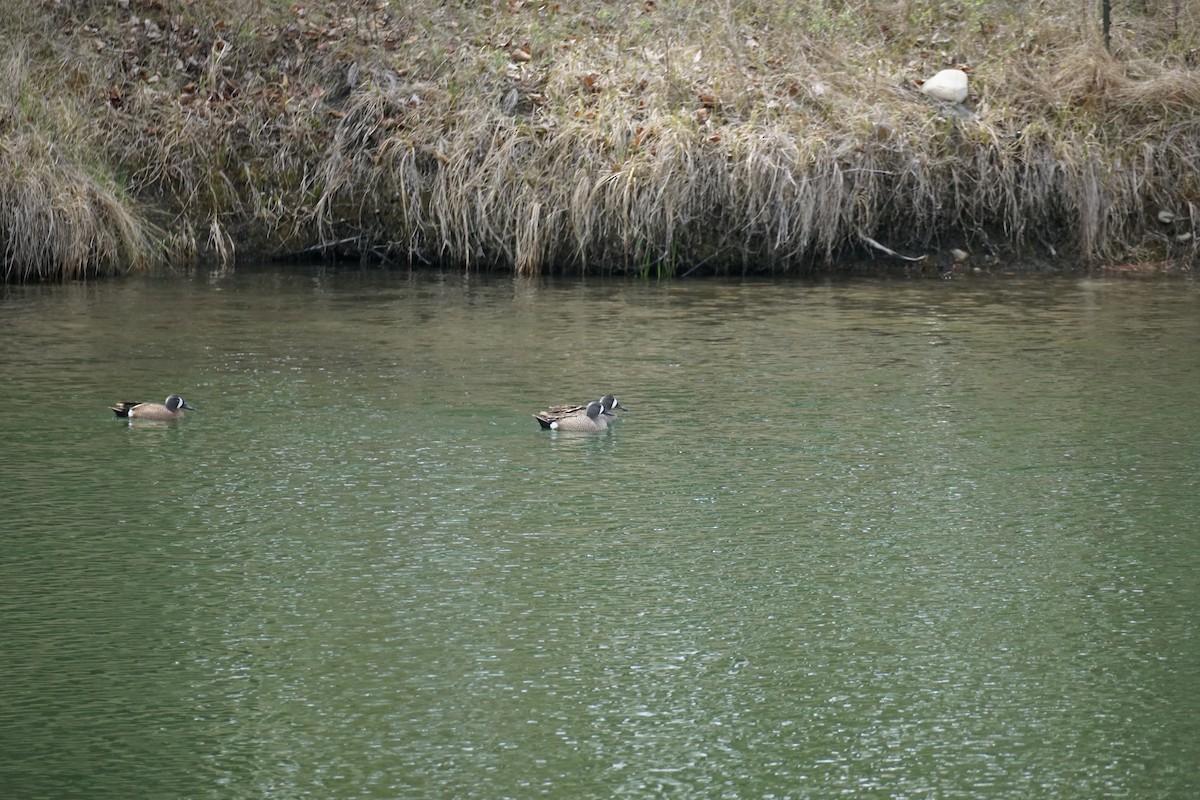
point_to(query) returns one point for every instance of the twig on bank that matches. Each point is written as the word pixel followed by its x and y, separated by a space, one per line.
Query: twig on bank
pixel 888 250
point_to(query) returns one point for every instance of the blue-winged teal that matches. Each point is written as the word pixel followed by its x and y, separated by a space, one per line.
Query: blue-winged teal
pixel 608 404
pixel 594 418
pixel 169 410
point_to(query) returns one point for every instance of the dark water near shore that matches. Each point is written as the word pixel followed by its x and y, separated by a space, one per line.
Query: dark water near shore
pixel 869 539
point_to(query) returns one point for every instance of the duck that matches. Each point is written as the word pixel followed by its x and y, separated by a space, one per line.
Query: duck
pixel 949 86
pixel 608 405
pixel 594 419
pixel 611 404
pixel 171 409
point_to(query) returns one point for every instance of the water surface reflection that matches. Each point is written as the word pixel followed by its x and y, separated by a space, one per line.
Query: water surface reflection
pixel 881 539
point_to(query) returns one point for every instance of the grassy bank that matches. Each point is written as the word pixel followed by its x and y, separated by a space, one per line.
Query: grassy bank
pixel 654 137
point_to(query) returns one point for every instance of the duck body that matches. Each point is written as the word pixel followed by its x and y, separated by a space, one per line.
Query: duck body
pixel 593 419
pixel 553 414
pixel 171 409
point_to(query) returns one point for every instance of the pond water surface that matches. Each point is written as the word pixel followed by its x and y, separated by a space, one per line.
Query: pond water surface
pixel 864 539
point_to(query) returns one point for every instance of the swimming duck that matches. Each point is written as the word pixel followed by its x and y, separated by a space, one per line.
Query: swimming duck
pixel 608 404
pixel 169 410
pixel 594 418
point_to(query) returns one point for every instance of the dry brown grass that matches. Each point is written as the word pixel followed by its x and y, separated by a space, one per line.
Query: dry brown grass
pixel 653 138
pixel 61 214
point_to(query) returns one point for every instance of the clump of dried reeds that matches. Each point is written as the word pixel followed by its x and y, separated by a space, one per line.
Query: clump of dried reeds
pixel 61 216
pixel 676 147
pixel 59 220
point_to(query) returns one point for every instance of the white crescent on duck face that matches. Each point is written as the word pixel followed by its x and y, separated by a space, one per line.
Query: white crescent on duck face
pixel 610 403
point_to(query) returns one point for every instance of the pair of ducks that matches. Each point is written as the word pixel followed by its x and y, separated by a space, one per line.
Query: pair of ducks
pixel 586 419
pixel 593 417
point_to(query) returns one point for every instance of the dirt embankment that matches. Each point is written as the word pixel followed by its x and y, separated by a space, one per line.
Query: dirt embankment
pixel 661 138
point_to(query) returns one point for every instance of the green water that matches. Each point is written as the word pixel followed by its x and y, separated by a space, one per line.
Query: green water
pixel 871 539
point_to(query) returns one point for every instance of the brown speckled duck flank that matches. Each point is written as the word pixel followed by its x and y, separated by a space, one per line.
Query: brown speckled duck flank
pixel 594 419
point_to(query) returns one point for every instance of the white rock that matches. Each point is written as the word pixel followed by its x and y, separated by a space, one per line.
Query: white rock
pixel 949 85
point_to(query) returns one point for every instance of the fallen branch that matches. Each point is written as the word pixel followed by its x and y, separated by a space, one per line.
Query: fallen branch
pixel 888 250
